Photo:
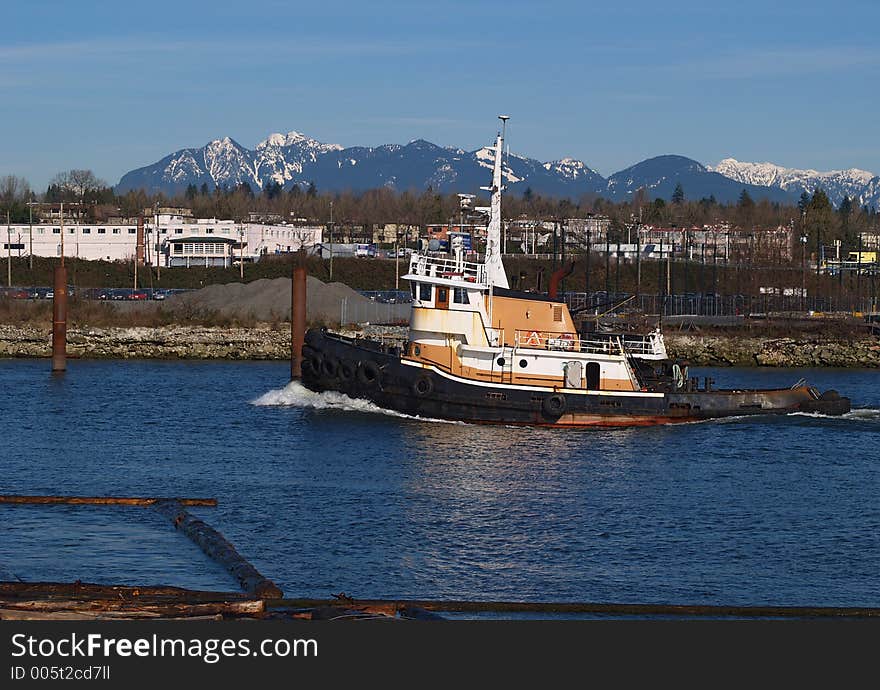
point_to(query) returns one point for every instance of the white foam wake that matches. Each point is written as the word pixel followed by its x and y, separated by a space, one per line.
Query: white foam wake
pixel 294 394
pixel 868 414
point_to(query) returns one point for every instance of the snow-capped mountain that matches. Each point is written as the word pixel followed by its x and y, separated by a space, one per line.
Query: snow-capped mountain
pixel 858 185
pixel 659 177
pixel 294 159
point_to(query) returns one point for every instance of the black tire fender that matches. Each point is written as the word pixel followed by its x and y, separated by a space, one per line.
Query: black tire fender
pixel 346 370
pixel 423 386
pixel 368 373
pixel 330 367
pixel 314 362
pixel 554 406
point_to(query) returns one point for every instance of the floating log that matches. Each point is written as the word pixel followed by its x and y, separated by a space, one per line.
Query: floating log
pixel 79 601
pixel 251 607
pixel 14 615
pixel 106 500
pixel 685 610
pixel 217 547
pixel 87 590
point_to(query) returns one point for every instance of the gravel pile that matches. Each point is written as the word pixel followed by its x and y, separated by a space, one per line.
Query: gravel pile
pixel 269 299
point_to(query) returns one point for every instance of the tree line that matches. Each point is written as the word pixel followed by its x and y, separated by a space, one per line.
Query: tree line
pixel 813 216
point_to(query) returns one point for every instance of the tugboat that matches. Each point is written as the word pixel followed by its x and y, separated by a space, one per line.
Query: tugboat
pixel 478 351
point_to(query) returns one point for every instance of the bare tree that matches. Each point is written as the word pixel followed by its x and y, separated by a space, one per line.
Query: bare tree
pixel 78 183
pixel 13 189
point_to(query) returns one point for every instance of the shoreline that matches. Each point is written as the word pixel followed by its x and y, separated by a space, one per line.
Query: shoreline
pixel 272 342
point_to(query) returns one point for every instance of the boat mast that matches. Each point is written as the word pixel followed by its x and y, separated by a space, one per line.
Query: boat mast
pixel 495 274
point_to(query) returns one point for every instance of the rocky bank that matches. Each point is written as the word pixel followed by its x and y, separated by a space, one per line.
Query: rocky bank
pixel 740 351
pixel 273 343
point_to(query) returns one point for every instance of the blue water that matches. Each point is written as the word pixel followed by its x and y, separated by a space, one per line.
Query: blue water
pixel 326 497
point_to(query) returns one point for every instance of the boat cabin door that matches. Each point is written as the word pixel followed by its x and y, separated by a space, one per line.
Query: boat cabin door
pixel 574 372
pixel 442 297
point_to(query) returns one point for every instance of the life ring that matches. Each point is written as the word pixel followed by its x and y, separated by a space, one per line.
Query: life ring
pixel 554 406
pixel 346 370
pixel 567 341
pixel 423 386
pixel 330 367
pixel 534 339
pixel 368 373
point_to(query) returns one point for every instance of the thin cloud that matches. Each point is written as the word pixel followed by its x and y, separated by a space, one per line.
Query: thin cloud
pixel 241 48
pixel 775 63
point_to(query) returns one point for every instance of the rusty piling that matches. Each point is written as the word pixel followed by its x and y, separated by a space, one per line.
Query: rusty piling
pixel 59 320
pixel 297 320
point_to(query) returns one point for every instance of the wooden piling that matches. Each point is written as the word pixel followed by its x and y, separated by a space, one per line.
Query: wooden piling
pixel 105 500
pixel 217 547
pixel 297 320
pixel 59 320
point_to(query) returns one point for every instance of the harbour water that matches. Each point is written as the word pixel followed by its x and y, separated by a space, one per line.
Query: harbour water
pixel 325 495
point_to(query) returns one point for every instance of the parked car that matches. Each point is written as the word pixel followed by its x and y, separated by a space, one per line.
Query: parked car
pixel 138 294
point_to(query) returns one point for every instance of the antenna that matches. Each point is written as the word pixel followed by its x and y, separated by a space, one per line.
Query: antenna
pixel 504 119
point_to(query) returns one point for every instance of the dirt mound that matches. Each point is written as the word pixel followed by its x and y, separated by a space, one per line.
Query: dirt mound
pixel 269 300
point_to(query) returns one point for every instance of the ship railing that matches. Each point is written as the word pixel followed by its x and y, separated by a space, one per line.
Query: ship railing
pixel 568 342
pixel 446 267
pixel 645 345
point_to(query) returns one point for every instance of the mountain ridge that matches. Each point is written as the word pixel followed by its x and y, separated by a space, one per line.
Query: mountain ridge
pixel 295 159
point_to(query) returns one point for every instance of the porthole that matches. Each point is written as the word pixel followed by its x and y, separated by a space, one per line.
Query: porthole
pixel 523 364
pixel 501 361
pixel 417 350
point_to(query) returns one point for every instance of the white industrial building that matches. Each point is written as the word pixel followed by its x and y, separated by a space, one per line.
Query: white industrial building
pixel 177 240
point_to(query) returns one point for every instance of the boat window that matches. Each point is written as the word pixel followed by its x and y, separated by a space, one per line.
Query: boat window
pixel 501 361
pixel 413 289
pixel 459 296
pixel 523 364
pixel 425 292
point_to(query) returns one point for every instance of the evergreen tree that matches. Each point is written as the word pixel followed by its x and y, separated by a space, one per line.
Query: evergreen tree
pixel 804 201
pixel 191 192
pixel 312 191
pixel 272 190
pixel 204 191
pixel 678 194
pixel 745 200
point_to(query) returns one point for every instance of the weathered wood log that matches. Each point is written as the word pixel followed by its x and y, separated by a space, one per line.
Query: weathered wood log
pixel 85 590
pixel 13 615
pixel 217 547
pixel 106 500
pixel 598 608
pixel 252 607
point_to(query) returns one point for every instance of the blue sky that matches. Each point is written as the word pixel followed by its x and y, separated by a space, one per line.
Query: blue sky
pixel 113 86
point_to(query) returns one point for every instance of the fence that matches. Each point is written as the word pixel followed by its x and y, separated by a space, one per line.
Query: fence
pixel 597 303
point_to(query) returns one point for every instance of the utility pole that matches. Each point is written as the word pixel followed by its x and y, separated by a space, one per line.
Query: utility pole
pixel 8 251
pixel 158 263
pixel 331 239
pixel 241 251
pixel 31 236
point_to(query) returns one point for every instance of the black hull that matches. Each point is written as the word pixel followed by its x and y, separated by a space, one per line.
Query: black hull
pixel 368 370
